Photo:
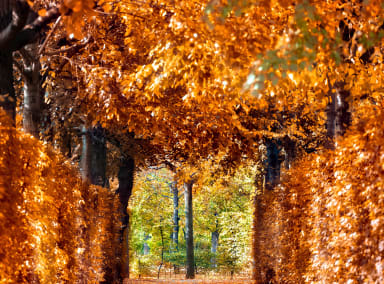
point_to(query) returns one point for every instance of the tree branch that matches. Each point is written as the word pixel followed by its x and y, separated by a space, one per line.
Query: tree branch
pixel 68 49
pixel 41 49
pixel 163 195
pixel 20 13
pixel 31 32
pixel 26 55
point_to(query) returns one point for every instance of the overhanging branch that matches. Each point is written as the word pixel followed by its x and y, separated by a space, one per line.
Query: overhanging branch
pixel 30 33
pixel 75 48
pixel 20 13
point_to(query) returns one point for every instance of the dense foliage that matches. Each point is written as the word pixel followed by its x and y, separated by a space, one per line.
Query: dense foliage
pixel 221 205
pixel 204 88
pixel 53 227
pixel 329 211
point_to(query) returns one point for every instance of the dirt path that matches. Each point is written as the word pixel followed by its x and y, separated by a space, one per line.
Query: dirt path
pixel 197 281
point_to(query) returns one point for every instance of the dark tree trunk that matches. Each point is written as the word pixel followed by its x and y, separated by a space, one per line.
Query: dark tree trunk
pixel 92 168
pixel 33 94
pixel 66 146
pixel 19 26
pixel 189 230
pixel 162 248
pixel 7 92
pixel 290 152
pixel 175 217
pixel 338 116
pixel 272 164
pixel 125 176
pixel 265 183
pixel 94 156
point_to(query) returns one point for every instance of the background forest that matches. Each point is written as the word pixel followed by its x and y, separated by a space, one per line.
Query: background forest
pixel 138 136
pixel 222 225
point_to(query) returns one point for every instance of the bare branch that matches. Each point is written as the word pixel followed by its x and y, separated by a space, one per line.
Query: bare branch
pixel 68 49
pixel 41 49
pixel 163 195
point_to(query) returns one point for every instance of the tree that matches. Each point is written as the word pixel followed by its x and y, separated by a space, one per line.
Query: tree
pixel 180 79
pixel 49 218
pixel 175 217
pixel 125 176
pixel 149 227
pixel 220 200
pixel 19 27
pixel 29 68
pixel 176 120
pixel 190 258
pixel 226 196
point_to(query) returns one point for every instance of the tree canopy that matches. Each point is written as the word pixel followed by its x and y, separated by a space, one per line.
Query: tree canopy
pixel 204 88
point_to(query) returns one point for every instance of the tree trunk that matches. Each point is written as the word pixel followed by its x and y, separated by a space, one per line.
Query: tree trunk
pixel 7 92
pixel 175 217
pixel 214 245
pixel 92 168
pixel 214 241
pixel 33 95
pixel 265 182
pixel 94 156
pixel 189 230
pixel 125 176
pixel 289 151
pixel 338 116
pixel 146 248
pixel 257 226
pixel 162 248
pixel 272 164
pixel 14 16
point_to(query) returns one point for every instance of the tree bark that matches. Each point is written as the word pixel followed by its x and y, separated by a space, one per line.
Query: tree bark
pixel 290 152
pixel 33 95
pixel 125 176
pixel 272 164
pixel 265 183
pixel 338 116
pixel 92 168
pixel 7 92
pixel 175 217
pixel 189 230
pixel 214 245
pixel 19 26
pixel 94 156
pixel 162 248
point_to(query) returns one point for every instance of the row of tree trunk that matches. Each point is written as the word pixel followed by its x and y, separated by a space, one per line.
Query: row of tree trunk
pixel 338 120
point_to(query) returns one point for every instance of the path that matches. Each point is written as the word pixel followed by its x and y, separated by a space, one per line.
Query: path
pixel 197 281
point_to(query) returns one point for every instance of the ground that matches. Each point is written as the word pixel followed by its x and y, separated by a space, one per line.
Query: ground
pixel 177 281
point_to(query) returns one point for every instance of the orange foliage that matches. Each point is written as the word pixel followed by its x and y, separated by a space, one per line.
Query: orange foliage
pixel 53 227
pixel 156 69
pixel 330 210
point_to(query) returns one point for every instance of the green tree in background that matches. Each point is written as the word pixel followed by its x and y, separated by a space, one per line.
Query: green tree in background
pixel 222 223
